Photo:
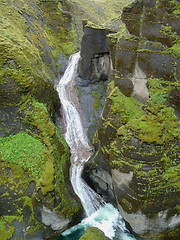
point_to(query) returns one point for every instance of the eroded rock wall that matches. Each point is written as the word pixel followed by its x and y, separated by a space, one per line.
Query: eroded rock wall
pixel 138 132
pixel 36 194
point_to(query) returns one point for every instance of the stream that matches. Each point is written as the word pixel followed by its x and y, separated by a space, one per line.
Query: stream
pixel 98 213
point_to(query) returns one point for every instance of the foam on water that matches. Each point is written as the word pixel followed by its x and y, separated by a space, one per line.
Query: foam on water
pixel 107 219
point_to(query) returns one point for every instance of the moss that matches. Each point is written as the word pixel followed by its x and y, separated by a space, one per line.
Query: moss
pixel 97 95
pixel 127 108
pixel 68 205
pixel 174 50
pixel 6 230
pixel 22 68
pixel 175 7
pixel 37 116
pixel 152 176
pixel 122 33
pixel 61 38
pixel 46 181
pixel 44 156
pixel 93 233
pixel 29 46
pixel 90 24
pixel 160 123
pixel 146 144
pixel 25 151
pixel 172 234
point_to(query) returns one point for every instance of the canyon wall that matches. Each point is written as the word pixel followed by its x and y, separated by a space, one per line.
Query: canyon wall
pixel 138 132
pixel 36 196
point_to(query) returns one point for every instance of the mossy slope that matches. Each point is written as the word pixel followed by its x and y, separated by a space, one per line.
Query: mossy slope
pixel 34 156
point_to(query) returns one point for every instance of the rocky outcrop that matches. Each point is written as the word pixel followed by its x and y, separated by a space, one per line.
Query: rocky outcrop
pixel 93 233
pixel 36 196
pixel 92 98
pixel 138 132
pixel 95 62
pixel 94 68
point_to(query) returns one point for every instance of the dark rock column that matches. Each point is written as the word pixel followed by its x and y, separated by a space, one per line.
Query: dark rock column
pixel 95 63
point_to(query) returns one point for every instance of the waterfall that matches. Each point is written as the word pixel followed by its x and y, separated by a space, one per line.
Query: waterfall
pixel 76 138
pixel 98 213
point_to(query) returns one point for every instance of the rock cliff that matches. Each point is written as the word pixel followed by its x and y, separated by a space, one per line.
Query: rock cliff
pixel 138 131
pixel 136 161
pixel 36 197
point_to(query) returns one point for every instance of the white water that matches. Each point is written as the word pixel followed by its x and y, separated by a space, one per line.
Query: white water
pixel 98 213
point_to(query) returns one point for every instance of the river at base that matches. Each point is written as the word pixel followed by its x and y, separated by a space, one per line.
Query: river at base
pixel 107 219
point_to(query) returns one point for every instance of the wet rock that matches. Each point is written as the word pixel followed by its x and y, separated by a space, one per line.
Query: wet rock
pixel 95 62
pixel 99 177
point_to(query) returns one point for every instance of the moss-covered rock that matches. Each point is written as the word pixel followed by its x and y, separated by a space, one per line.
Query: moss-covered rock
pixel 94 233
pixel 140 135
pixel 34 156
pixel 35 173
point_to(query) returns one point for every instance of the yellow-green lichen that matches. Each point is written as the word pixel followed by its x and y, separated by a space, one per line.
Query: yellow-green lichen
pixel 127 108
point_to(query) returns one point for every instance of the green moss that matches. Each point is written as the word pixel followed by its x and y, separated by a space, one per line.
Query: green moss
pixel 122 32
pixel 93 233
pixel 44 156
pixel 68 206
pixel 127 108
pixel 25 151
pixel 61 38
pixel 22 68
pixel 175 6
pixel 160 123
pixel 46 181
pixel 90 24
pixel 6 227
pixel 6 231
pixel 38 154
pixel 174 50
pixel 97 95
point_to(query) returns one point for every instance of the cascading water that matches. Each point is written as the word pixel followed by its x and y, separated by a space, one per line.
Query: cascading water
pixel 76 138
pixel 98 213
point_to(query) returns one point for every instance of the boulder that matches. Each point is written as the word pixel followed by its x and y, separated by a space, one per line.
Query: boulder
pixel 93 233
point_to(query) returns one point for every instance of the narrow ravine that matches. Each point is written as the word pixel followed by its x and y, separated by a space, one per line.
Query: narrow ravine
pixel 98 213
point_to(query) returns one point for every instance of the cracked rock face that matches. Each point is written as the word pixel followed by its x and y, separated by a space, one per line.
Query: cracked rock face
pixel 95 62
pixel 138 131
pixel 50 218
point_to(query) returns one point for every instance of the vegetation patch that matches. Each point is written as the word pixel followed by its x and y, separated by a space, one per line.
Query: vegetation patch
pixel 93 233
pixel 159 124
pixel 6 228
pixel 25 151
pixel 126 108
pixel 100 12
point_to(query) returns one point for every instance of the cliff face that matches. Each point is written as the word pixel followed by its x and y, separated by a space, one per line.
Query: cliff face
pixel 137 139
pixel 36 195
pixel 138 132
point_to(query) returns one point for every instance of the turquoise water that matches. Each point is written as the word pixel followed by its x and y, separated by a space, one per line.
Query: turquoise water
pixel 107 219
pixel 75 235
